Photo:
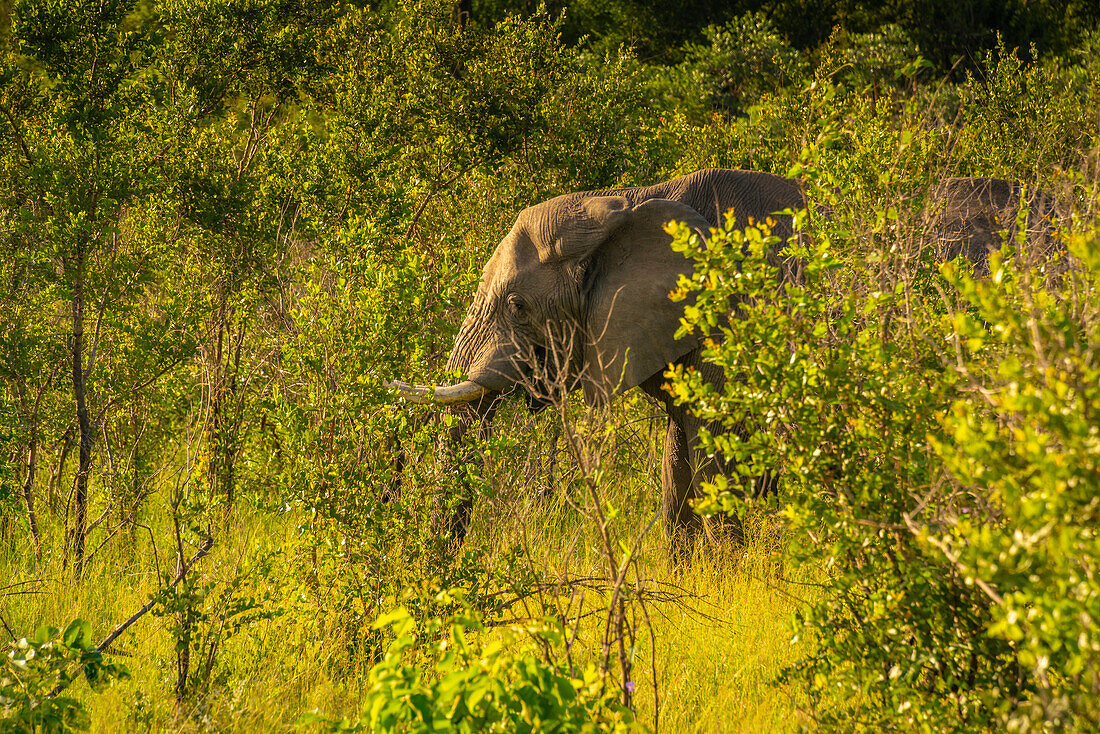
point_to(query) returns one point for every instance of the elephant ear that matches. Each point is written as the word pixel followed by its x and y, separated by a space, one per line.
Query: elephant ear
pixel 632 322
pixel 579 229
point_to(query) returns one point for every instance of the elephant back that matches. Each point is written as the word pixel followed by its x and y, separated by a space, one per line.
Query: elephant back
pixel 714 191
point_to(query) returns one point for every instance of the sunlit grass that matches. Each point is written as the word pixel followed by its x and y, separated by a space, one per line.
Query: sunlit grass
pixel 715 650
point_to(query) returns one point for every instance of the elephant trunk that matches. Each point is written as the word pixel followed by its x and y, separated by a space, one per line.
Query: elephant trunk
pixel 478 352
pixel 489 355
pixel 473 402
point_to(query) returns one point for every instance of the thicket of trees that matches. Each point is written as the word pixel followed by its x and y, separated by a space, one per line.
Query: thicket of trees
pixel 224 223
pixel 943 31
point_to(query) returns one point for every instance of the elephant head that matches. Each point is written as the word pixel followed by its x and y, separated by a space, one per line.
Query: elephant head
pixel 575 296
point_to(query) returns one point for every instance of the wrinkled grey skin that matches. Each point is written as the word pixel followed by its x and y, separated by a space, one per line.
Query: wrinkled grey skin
pixel 967 217
pixel 576 296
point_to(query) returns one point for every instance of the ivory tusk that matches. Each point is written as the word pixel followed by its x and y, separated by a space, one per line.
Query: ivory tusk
pixel 463 392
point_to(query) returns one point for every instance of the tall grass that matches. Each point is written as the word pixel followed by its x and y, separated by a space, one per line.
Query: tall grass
pixel 715 642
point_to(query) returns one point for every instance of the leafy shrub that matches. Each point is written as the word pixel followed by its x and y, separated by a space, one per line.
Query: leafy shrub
pixel 37 667
pixel 938 462
pixel 1024 438
pixel 742 63
pixel 1020 118
pixel 489 685
pixel 203 613
pixel 879 59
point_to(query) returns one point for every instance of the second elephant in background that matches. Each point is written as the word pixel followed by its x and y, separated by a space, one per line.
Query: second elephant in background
pixel 971 216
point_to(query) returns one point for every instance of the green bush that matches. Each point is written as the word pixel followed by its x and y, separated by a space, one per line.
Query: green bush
pixel 36 671
pixel 437 680
pixel 879 59
pixel 936 441
pixel 743 63
pixel 1023 437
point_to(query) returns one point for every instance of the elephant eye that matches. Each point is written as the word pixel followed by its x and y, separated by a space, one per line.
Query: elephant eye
pixel 583 273
pixel 516 307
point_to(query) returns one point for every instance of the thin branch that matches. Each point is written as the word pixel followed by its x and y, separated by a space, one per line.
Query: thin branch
pixel 429 197
pixel 141 386
pixel 121 524
pixel 105 643
pixel 22 583
pixel 29 592
pixel 15 131
pixel 98 520
pixel 954 559
pixel 652 661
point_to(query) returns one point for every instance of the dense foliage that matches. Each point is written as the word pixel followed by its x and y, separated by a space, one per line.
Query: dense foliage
pixel 225 223
pixel 931 428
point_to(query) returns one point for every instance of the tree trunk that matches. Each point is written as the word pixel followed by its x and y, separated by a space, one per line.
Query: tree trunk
pixel 462 13
pixel 28 493
pixel 84 422
pixel 31 416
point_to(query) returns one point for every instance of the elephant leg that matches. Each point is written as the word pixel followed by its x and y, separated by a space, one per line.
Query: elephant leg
pixel 549 470
pixel 680 521
pixel 684 468
pixel 766 485
pixel 451 516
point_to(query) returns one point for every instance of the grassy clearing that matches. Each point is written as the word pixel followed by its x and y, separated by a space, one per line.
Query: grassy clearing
pixel 714 650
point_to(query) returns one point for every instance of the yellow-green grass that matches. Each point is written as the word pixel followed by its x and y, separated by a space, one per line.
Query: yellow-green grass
pixel 714 650
pixel 718 647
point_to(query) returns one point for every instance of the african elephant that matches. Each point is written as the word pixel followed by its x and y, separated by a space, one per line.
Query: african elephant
pixel 967 215
pixel 576 296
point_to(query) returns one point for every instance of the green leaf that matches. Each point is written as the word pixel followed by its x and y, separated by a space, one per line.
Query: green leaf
pixel 76 633
pixel 392 617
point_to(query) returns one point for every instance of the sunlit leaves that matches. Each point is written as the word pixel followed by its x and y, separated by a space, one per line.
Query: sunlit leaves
pixel 480 681
pixel 936 442
pixel 35 665
pixel 1027 435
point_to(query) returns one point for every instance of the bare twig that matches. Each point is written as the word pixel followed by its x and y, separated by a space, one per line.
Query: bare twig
pixel 28 592
pixel 135 388
pixel 96 522
pixel 21 583
pixel 652 660
pixel 183 569
pixel 423 205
